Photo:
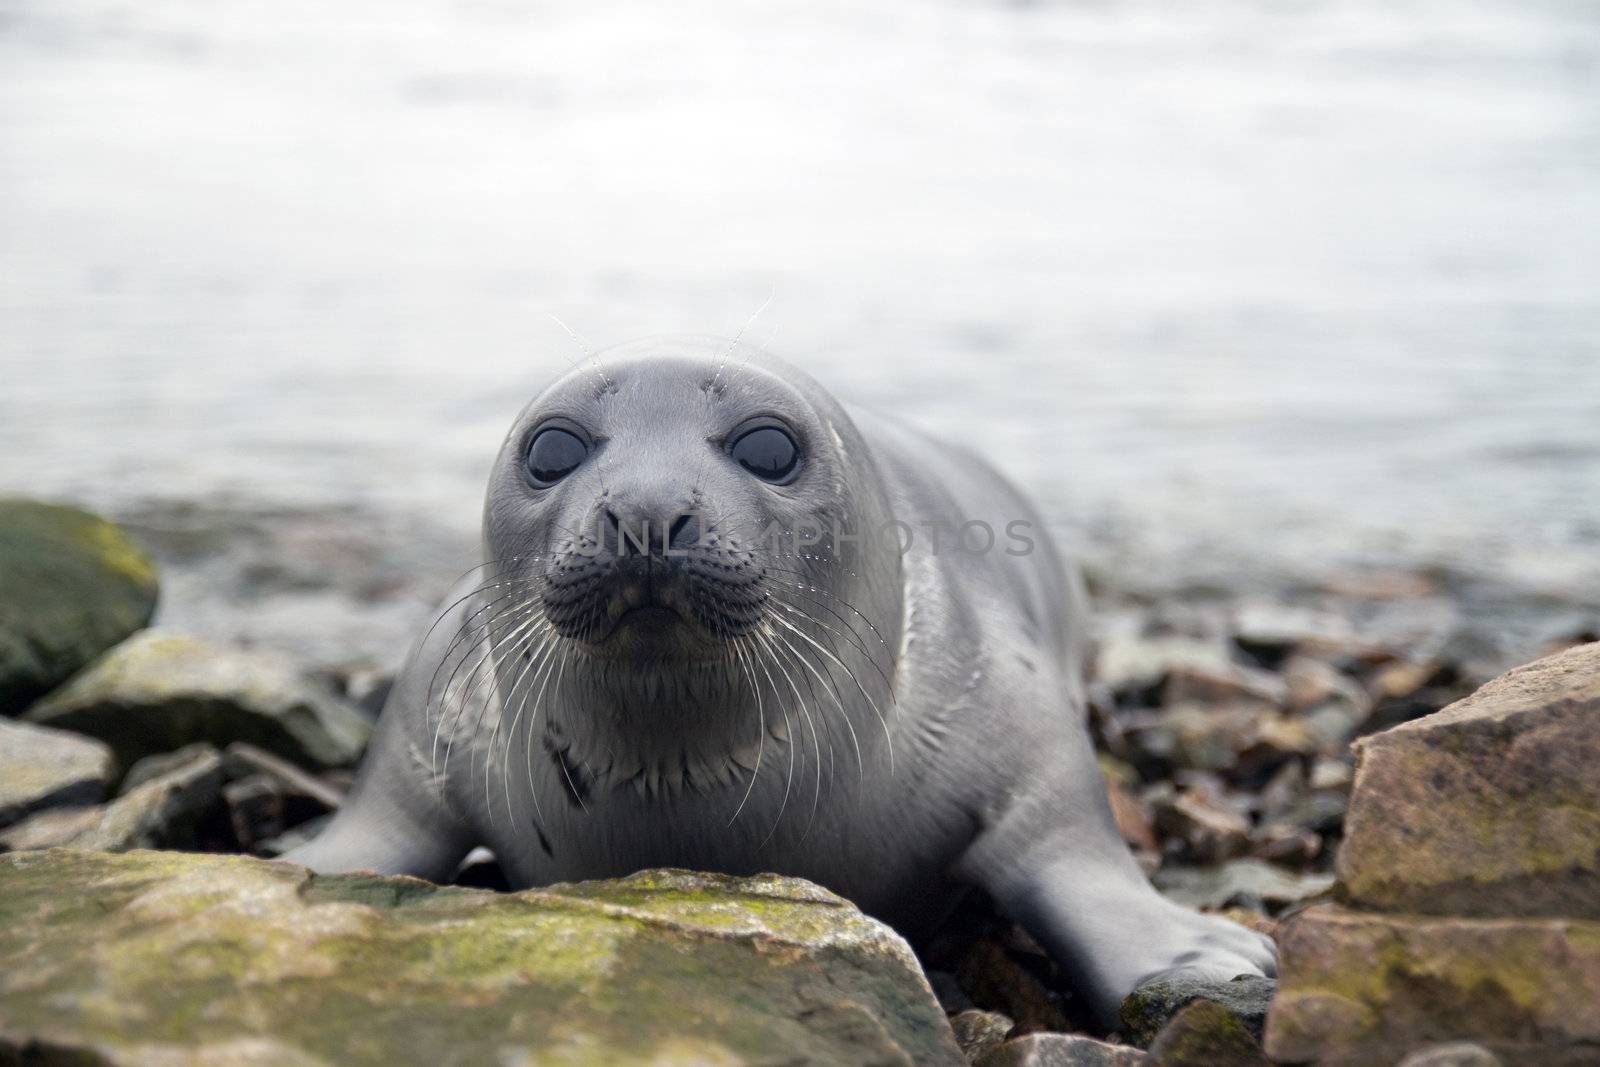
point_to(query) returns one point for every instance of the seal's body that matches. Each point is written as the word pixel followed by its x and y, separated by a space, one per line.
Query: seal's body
pixel 727 626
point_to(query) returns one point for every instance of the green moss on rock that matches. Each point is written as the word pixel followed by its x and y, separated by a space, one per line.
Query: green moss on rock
pixel 71 586
pixel 1355 984
pixel 150 957
pixel 159 691
pixel 1489 807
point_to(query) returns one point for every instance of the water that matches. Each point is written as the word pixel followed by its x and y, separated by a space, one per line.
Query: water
pixel 1244 292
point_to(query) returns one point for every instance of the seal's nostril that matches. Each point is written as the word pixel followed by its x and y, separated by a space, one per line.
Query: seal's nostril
pixel 610 531
pixel 680 534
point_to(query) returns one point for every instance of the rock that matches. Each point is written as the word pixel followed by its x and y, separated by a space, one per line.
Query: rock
pixel 1283 843
pixel 1276 740
pixel 1452 1054
pixel 1134 819
pixel 42 768
pixel 1190 736
pixel 1270 633
pixel 996 979
pixel 1207 1034
pixel 1147 1010
pixel 1132 664
pixel 1061 1050
pixel 979 1031
pixel 1330 774
pixel 159 691
pixel 164 812
pixel 1250 882
pixel 1309 682
pixel 1363 988
pixel 161 958
pixel 71 586
pixel 1227 684
pixel 1491 806
pixel 162 764
pixel 1405 677
pixel 1209 832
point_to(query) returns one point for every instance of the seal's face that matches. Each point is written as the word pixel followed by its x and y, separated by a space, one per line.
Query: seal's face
pixel 657 499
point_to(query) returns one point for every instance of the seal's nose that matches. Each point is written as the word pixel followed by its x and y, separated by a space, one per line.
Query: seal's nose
pixel 642 533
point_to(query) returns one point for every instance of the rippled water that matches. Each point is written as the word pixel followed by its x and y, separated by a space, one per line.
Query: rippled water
pixel 1244 291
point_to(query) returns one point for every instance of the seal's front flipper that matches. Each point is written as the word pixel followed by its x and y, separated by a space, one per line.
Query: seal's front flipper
pixel 1055 862
pixel 1111 932
pixel 387 824
pixel 395 820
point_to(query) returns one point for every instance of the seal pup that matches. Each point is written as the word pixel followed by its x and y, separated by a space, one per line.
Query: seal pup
pixel 725 624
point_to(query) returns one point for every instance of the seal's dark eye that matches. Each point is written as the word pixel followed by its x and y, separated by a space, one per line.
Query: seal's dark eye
pixel 554 454
pixel 767 452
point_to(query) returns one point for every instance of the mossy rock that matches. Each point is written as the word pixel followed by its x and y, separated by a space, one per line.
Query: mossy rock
pixel 1149 1009
pixel 1489 807
pixel 1363 988
pixel 159 691
pixel 71 586
pixel 154 958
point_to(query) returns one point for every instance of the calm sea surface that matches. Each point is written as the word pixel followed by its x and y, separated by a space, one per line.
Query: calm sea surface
pixel 1245 292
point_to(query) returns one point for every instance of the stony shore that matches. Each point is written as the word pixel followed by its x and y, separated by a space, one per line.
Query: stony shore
pixel 1422 838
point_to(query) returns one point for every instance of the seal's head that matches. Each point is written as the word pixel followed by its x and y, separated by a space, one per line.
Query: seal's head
pixel 674 510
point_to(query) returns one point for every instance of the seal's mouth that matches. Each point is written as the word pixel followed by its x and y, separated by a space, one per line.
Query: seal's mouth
pixel 697 599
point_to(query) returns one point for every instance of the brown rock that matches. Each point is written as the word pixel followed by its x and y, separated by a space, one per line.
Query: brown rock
pixel 1206 1034
pixel 1062 1050
pixel 997 980
pixel 1134 818
pixel 1230 684
pixel 1362 988
pixel 1489 807
pixel 1209 831
pixel 1309 681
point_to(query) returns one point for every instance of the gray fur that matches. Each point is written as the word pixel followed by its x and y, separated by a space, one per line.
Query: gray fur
pixel 924 731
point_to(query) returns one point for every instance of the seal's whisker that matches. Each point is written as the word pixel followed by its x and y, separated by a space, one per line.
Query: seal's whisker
pixel 475 677
pixel 783 590
pixel 485 631
pixel 530 657
pixel 788 730
pixel 785 646
pixel 837 599
pixel 443 612
pixel 533 722
pixel 833 691
pixel 738 646
pixel 888 735
pixel 494 694
pixel 466 626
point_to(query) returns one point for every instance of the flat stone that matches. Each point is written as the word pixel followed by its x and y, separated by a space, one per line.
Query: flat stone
pixel 1210 831
pixel 1489 807
pixel 1127 663
pixel 71 586
pixel 1062 1050
pixel 159 691
pixel 42 768
pixel 1226 684
pixel 143 959
pixel 1248 881
pixel 1452 1054
pixel 162 812
pixel 1357 987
